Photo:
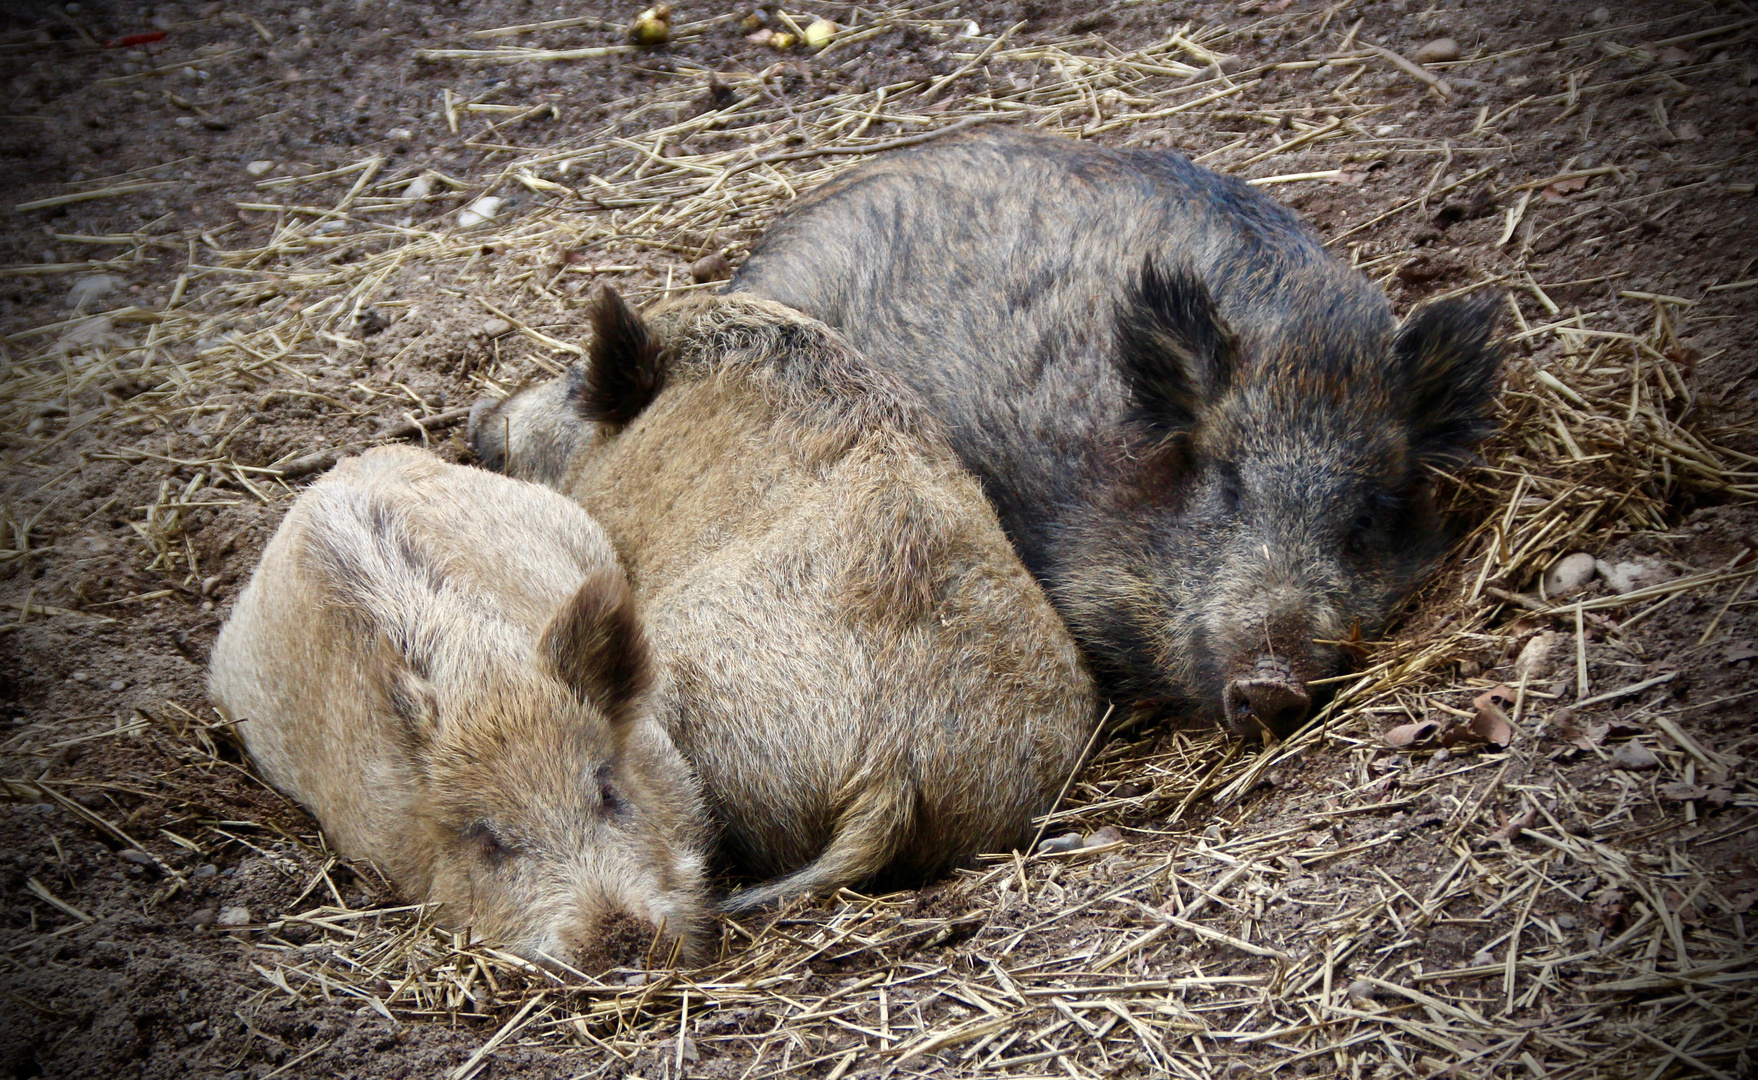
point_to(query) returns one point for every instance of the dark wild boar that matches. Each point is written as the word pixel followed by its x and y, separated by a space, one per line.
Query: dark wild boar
pixel 868 682
pixel 447 669
pixel 1208 439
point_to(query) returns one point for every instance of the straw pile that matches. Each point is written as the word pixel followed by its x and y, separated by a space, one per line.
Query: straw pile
pixel 1199 937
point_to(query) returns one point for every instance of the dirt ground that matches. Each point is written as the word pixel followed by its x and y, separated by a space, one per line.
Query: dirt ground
pixel 212 274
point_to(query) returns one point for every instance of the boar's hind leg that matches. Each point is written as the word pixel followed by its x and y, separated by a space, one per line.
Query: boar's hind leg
pixel 867 836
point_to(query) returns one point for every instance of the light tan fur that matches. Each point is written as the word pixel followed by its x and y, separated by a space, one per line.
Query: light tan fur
pixel 865 677
pixel 445 667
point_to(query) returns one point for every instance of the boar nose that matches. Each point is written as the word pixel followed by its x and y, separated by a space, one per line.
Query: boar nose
pixel 620 940
pixel 1271 695
pixel 480 406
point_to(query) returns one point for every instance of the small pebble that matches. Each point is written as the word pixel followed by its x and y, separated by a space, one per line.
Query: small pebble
pixel 1569 574
pixel 1438 51
pixel 117 685
pixel 479 211
pixel 259 168
pixel 1362 990
pixel 1534 661
pixel 209 584
pixel 1626 577
pixel 138 858
pixel 1484 958
pixel 713 267
pixel 1065 842
pixel 36 426
pixel 1600 17
pixel 496 327
pixel 96 287
pixel 78 676
pixel 1635 757
pixel 233 916
pixel 206 870
pixel 202 919
pixel 1566 922
pixel 399 134
pixel 418 187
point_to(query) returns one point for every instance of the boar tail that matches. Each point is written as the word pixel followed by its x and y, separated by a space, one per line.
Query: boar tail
pixel 867 836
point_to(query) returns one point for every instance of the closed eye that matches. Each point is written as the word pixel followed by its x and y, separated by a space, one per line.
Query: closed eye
pixel 491 847
pixel 608 798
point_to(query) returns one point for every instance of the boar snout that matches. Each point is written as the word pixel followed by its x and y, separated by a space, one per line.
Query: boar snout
pixel 623 939
pixel 490 449
pixel 1270 695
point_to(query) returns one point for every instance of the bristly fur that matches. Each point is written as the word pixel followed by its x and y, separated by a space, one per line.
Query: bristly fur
pixel 1450 369
pixel 1203 433
pixel 868 682
pixel 1175 351
pixel 625 368
pixel 421 657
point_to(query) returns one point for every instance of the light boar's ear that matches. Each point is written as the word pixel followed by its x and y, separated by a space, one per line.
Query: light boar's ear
pixel 625 367
pixel 1176 353
pixel 596 645
pixel 1449 371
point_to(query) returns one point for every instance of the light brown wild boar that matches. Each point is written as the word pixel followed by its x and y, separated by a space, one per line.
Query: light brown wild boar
pixel 868 682
pixel 447 668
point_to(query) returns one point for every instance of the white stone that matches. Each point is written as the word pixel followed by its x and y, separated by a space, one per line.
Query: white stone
pixel 1534 661
pixel 1626 577
pixel 259 168
pixel 480 211
pixel 496 327
pixel 1569 574
pixel 89 289
pixel 418 187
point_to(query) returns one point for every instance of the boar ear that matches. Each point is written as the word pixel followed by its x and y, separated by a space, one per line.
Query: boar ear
pixel 596 645
pixel 625 367
pixel 1176 352
pixel 1450 371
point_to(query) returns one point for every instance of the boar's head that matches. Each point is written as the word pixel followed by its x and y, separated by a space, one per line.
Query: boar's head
pixel 1280 493
pixel 554 815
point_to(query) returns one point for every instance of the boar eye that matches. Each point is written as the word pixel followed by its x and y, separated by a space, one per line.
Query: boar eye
pixel 608 799
pixel 1230 495
pixel 489 844
pixel 1367 528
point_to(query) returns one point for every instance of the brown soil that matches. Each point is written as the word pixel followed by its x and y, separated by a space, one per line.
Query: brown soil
pixel 130 824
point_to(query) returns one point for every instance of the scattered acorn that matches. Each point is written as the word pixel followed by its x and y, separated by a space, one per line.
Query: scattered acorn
pixel 820 33
pixel 652 27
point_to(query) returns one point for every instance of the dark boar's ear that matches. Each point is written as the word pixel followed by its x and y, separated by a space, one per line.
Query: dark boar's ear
pixel 1176 352
pixel 596 645
pixel 1450 371
pixel 625 368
